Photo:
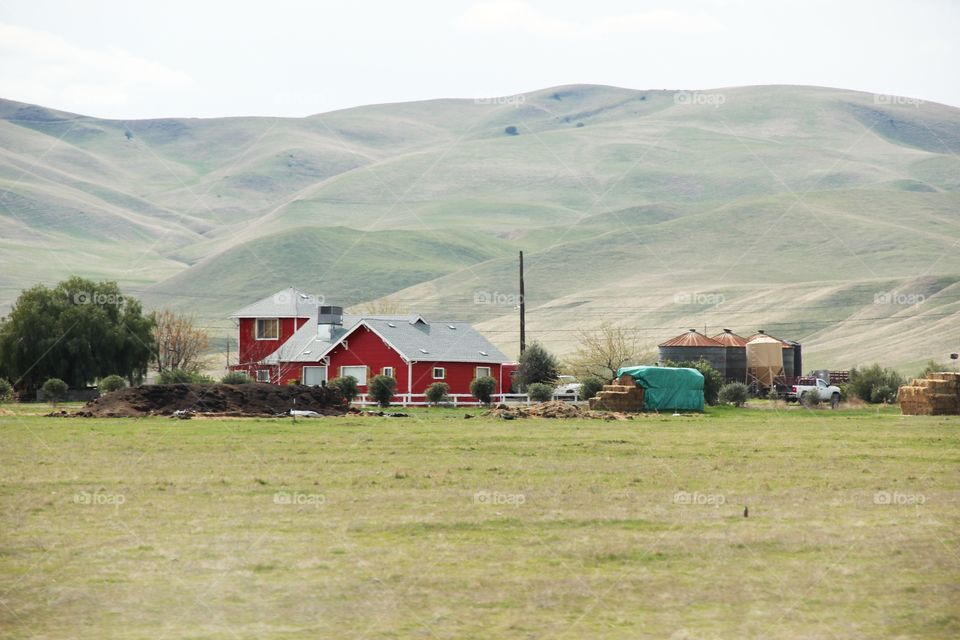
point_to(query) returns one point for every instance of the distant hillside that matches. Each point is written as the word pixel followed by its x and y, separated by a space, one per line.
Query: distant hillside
pixel 823 215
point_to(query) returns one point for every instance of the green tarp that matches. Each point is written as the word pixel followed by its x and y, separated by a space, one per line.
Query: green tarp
pixel 668 388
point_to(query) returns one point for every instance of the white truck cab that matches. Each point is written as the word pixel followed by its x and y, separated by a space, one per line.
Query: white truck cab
pixel 826 392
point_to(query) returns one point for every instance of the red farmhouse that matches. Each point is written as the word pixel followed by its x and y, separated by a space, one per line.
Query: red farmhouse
pixel 290 337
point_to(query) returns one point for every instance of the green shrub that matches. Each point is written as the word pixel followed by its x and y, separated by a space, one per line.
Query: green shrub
pixel 540 392
pixel 537 365
pixel 875 384
pixel 236 377
pixel 735 393
pixel 437 392
pixel 179 376
pixel 810 398
pixel 111 383
pixel 590 386
pixel 381 389
pixel 347 386
pixel 482 388
pixel 6 391
pixel 55 390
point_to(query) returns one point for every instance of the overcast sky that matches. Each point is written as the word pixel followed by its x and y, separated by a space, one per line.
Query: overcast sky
pixel 196 58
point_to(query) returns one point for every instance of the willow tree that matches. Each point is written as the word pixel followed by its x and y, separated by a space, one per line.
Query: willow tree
pixel 79 331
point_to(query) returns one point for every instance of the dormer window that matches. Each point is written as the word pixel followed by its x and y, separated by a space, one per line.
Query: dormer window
pixel 268 329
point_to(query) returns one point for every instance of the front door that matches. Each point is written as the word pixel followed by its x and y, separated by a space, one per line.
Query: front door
pixel 314 376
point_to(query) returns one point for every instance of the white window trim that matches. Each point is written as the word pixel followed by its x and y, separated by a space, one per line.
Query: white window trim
pixel 392 373
pixel 303 372
pixel 356 366
pixel 476 372
pixel 256 327
pixel 443 373
pixel 265 371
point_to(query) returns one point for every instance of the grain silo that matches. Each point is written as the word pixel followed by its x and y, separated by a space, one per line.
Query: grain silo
pixel 764 360
pixel 797 358
pixel 691 346
pixel 735 347
pixel 788 353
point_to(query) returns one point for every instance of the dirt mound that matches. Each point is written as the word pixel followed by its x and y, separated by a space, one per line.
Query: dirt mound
pixel 253 399
pixel 552 409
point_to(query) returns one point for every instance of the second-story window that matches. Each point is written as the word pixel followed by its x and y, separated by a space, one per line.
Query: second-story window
pixel 268 328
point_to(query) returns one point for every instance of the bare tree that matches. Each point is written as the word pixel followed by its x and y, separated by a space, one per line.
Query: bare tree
pixel 180 344
pixel 603 350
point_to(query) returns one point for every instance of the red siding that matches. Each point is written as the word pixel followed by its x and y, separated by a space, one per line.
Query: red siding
pixel 458 375
pixel 252 350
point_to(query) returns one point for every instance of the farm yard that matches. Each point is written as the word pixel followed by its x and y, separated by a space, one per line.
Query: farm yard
pixel 437 526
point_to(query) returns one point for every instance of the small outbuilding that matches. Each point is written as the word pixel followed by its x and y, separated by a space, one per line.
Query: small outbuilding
pixel 668 388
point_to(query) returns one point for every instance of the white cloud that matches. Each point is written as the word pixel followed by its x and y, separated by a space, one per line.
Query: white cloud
pixel 43 68
pixel 506 15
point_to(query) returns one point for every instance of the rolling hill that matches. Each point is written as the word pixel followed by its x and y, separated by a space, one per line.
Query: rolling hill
pixel 823 215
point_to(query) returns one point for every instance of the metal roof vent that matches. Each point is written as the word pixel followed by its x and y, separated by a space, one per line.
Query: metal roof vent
pixel 452 327
pixel 484 353
pixel 330 315
pixel 390 324
pixel 424 351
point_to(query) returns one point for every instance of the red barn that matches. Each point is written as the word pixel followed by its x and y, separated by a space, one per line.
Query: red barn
pixel 289 336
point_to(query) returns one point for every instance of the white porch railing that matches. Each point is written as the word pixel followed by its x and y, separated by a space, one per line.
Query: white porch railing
pixel 453 399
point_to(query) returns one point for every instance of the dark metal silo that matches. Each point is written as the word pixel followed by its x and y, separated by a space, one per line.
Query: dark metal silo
pixel 736 348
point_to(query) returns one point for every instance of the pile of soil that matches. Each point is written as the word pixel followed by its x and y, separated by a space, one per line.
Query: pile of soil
pixel 255 399
pixel 552 409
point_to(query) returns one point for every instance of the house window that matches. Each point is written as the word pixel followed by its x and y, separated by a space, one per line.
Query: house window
pixel 387 371
pixel 263 375
pixel 315 376
pixel 268 328
pixel 359 372
pixel 483 372
pixel 439 373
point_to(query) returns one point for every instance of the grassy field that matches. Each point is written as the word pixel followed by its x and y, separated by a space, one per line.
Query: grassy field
pixel 435 526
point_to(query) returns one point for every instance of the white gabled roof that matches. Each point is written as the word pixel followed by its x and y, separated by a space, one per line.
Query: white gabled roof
pixel 286 303
pixel 414 340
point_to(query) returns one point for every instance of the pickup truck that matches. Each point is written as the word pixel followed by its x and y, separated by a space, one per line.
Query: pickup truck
pixel 827 392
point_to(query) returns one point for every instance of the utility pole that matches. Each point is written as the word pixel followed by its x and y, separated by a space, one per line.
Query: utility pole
pixel 523 310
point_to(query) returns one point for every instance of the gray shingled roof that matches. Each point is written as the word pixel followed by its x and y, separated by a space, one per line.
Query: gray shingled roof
pixel 413 337
pixel 288 303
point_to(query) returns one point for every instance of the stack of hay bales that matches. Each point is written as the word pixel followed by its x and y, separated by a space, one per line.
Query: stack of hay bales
pixel 936 395
pixel 624 395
